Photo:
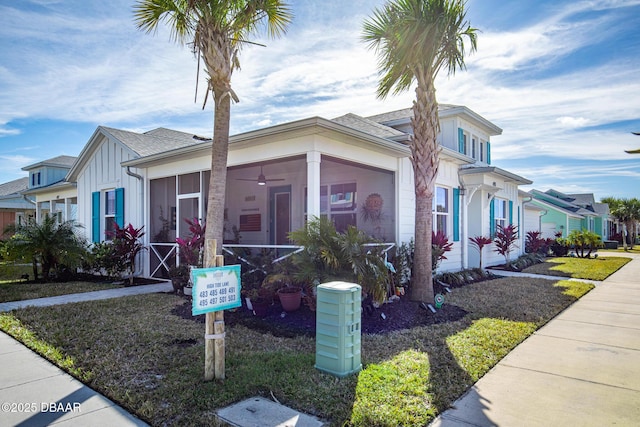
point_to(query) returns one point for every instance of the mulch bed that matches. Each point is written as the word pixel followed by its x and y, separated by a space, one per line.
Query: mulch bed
pixel 400 314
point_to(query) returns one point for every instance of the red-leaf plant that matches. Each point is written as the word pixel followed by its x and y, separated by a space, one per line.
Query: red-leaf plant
pixel 505 240
pixel 480 242
pixel 440 244
pixel 127 245
pixel 191 247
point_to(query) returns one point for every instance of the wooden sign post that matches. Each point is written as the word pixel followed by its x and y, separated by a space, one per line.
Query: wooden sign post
pixel 215 288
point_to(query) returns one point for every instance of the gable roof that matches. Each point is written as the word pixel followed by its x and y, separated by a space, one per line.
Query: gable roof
pixel 154 141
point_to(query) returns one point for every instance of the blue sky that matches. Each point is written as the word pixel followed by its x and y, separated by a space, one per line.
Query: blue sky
pixel 561 78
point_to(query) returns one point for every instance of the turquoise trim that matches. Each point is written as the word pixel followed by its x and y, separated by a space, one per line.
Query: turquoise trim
pixel 456 214
pixel 120 207
pixel 460 140
pixel 95 216
pixel 488 153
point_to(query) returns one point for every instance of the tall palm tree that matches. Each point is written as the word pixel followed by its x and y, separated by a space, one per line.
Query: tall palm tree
pixel 627 213
pixel 216 31
pixel 414 40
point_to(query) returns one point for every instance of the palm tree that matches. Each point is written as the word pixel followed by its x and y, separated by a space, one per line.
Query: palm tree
pixel 414 40
pixel 216 31
pixel 50 244
pixel 626 212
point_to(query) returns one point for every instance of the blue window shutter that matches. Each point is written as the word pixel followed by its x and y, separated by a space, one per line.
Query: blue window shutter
pixel 492 219
pixel 120 207
pixel 95 216
pixel 518 220
pixel 460 140
pixel 456 214
pixel 488 153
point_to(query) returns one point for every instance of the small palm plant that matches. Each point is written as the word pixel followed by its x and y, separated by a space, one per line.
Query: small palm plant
pixel 480 242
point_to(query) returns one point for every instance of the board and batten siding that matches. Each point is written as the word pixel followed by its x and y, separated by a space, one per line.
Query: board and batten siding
pixel 103 172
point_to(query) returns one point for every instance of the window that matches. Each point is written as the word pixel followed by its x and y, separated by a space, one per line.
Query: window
pixel 499 213
pixel 338 203
pixel 465 149
pixel 481 151
pixel 441 210
pixel 107 209
pixel 473 147
pixel 35 179
pixel 109 213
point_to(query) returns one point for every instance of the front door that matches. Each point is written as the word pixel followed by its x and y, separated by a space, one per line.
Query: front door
pixel 280 214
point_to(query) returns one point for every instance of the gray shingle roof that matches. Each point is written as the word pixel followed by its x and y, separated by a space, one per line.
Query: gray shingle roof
pixel 59 161
pixel 14 187
pixel 155 141
pixel 368 126
pixel 405 113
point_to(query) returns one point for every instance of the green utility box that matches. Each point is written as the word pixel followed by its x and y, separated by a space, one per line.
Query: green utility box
pixel 338 332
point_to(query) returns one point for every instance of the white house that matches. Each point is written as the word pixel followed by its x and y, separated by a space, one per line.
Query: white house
pixel 281 175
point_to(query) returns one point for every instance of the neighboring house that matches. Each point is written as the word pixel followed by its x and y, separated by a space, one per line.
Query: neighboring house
pixel 567 212
pixel 47 186
pixel 354 170
pixel 15 208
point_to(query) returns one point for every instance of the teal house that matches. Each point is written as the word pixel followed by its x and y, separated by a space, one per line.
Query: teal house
pixel 563 213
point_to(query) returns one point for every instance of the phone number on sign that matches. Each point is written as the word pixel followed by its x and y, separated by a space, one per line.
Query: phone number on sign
pixel 40 407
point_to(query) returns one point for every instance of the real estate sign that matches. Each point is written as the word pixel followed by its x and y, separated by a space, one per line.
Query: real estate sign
pixel 215 289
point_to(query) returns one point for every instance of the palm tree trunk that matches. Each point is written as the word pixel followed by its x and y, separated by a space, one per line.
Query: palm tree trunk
pixel 218 180
pixel 424 158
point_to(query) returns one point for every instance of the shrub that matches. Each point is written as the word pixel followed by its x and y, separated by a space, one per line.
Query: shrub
pixel 584 242
pixel 505 240
pixel 191 248
pixel 330 255
pixel 126 247
pixel 439 246
pixel 480 242
pixel 534 243
pixel 560 246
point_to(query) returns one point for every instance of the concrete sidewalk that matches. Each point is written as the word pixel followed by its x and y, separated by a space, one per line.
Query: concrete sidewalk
pixel 582 368
pixel 88 296
pixel 34 393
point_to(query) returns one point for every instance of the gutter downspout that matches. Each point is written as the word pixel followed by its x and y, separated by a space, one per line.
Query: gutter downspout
pixel 139 267
pixel 523 239
pixel 463 216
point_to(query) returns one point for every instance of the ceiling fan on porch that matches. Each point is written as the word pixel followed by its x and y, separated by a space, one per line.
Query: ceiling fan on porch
pixel 261 180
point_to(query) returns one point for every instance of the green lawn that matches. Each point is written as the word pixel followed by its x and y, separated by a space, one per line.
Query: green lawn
pixel 579 268
pixel 141 355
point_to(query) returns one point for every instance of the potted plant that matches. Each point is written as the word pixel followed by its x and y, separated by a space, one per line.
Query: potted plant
pixel 280 284
pixel 179 276
pixel 290 297
pixel 259 303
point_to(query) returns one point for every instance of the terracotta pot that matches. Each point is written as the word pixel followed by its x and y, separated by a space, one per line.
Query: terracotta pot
pixel 290 298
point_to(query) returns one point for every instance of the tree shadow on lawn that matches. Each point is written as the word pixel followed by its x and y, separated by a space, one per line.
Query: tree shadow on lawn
pixel 413 373
pixel 502 313
pixel 141 355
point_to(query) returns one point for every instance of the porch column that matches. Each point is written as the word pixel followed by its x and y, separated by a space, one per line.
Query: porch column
pixel 313 184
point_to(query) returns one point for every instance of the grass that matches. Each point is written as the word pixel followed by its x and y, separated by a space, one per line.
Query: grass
pixel 150 361
pixel 579 268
